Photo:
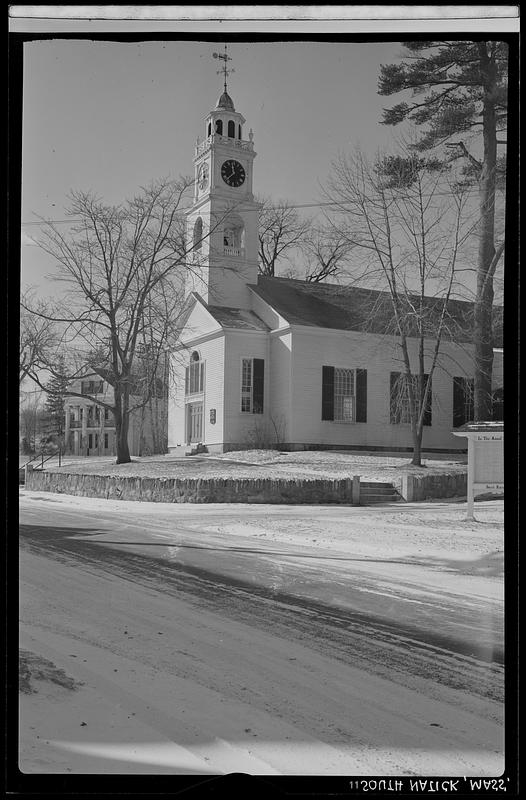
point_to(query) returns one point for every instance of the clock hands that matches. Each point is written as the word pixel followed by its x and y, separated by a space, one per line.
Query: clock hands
pixel 233 173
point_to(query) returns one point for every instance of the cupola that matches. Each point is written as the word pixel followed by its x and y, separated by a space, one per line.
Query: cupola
pixel 225 103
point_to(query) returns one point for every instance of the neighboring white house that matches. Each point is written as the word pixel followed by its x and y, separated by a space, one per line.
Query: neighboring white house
pixel 90 427
pixel 281 361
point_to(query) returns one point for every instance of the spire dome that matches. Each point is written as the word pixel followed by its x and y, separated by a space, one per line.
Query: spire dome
pixel 225 102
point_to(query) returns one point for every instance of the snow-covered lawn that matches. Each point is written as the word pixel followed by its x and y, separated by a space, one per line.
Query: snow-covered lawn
pixel 269 463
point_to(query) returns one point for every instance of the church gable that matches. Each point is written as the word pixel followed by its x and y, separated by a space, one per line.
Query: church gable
pixel 198 321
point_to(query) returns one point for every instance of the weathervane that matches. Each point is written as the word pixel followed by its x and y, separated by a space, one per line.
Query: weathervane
pixel 224 57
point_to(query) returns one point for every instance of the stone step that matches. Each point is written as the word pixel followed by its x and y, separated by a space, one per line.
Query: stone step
pixel 373 493
pixel 377 484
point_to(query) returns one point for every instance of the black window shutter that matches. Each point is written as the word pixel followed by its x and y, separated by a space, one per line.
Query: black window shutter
pixel 429 404
pixel 361 395
pixel 327 393
pixel 394 400
pixel 469 388
pixel 258 385
pixel 458 402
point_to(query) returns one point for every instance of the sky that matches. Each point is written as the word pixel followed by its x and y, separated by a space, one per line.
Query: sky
pixel 111 116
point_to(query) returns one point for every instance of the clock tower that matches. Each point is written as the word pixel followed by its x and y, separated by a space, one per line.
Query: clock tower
pixel 222 224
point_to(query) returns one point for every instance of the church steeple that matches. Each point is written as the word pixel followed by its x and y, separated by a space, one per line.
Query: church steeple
pixel 223 222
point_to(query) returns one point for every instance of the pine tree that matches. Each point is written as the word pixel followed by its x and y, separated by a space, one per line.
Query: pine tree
pixel 459 95
pixel 55 407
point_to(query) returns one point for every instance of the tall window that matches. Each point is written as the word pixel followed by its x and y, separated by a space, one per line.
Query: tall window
pixel 231 129
pixel 400 410
pixel 219 126
pixel 463 401
pixel 198 233
pixel 252 385
pixel 195 375
pixel 344 394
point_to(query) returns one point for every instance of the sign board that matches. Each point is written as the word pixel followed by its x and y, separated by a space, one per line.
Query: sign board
pixel 485 458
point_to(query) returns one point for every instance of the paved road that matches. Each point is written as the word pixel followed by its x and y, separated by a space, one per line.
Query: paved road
pixel 392 682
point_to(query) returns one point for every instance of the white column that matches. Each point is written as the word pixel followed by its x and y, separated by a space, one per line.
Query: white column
pixel 471 477
pixel 84 437
pixel 66 427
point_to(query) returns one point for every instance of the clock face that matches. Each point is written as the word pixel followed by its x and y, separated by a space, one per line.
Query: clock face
pixel 233 173
pixel 202 176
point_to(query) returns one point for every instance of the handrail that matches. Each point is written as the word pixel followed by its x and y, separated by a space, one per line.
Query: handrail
pixel 43 460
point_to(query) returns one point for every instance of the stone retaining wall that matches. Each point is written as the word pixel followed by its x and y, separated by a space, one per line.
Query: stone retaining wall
pixel 425 487
pixel 193 490
pixel 238 490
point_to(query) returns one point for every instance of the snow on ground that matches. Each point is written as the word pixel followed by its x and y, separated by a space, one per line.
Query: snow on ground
pixel 268 463
pixel 105 687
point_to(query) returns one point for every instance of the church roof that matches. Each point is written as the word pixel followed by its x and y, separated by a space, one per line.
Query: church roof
pixel 354 308
pixel 226 102
pixel 237 318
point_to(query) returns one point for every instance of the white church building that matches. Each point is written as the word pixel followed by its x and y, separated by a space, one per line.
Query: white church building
pixel 280 362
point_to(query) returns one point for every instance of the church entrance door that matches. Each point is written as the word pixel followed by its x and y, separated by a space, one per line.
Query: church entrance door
pixel 194 423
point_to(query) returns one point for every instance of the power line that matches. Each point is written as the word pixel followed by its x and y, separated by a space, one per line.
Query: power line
pixel 272 208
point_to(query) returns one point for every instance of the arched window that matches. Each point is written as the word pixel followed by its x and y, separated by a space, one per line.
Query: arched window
pixel 194 375
pixel 198 234
pixel 209 129
pixel 219 126
pixel 231 129
pixel 234 233
pixel 239 131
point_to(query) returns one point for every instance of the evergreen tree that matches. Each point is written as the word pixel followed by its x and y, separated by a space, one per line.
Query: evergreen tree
pixel 56 390
pixel 459 95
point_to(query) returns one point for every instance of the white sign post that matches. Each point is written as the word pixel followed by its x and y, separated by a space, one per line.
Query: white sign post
pixel 485 459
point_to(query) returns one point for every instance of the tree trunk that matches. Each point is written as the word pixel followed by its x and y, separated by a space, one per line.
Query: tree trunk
pixel 483 327
pixel 416 461
pixel 122 424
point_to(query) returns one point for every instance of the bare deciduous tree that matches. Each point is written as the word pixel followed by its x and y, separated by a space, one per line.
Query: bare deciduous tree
pixel 123 268
pixel 407 235
pixel 31 420
pixel 326 251
pixel 281 232
pixel 38 335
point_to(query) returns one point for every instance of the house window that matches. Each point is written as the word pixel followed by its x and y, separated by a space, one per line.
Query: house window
pixel 400 412
pixel 252 385
pixel 344 394
pixel 463 401
pixel 106 441
pixel 195 375
pixel 91 387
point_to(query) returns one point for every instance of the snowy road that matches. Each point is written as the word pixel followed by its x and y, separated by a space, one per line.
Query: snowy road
pixel 267 640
